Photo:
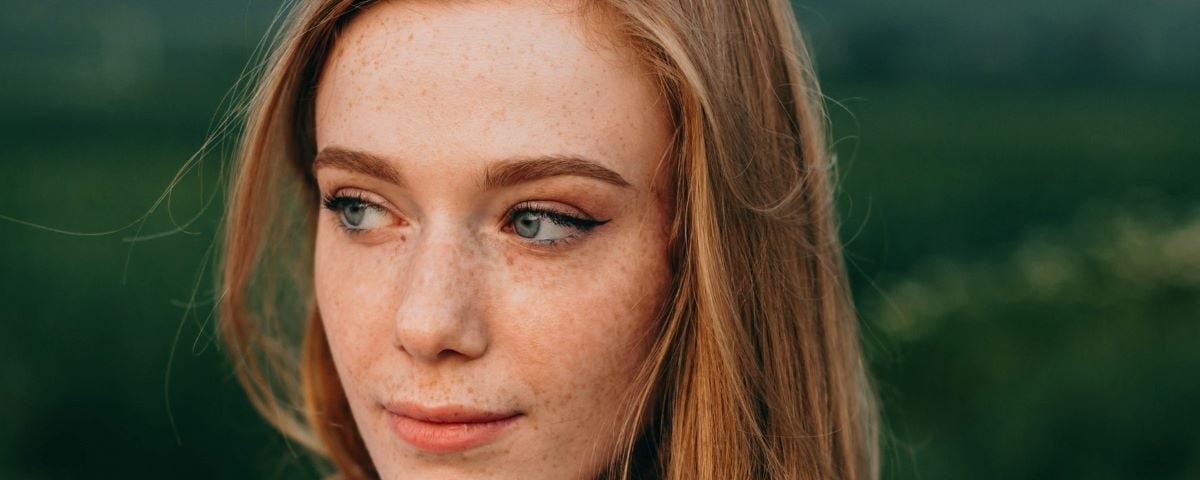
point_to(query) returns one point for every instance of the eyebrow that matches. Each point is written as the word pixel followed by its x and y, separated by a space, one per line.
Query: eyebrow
pixel 358 162
pixel 528 169
pixel 502 174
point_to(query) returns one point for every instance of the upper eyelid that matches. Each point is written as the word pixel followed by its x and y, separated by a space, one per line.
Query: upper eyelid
pixel 571 220
pixel 360 194
pixel 365 196
pixel 539 206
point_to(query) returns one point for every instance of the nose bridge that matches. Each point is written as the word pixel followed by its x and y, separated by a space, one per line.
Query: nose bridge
pixel 437 316
pixel 443 257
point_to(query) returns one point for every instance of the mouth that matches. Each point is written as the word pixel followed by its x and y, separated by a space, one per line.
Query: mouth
pixel 447 429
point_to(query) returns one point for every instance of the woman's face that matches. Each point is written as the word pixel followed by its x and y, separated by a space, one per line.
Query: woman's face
pixel 492 254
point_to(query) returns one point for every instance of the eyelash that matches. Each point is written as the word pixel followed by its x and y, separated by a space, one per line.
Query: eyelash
pixel 338 202
pixel 581 225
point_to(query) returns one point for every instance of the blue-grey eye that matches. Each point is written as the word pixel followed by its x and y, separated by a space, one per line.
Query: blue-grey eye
pixel 527 224
pixel 352 215
pixel 545 226
pixel 363 216
pixel 355 214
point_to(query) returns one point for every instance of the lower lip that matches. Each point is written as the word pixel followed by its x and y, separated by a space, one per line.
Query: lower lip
pixel 447 437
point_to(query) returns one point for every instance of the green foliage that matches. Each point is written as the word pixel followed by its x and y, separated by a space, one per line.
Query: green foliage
pixel 1071 357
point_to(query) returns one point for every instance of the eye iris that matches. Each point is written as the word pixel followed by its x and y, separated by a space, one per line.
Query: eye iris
pixel 353 214
pixel 527 225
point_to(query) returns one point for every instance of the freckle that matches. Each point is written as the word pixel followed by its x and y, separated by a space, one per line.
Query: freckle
pixel 508 259
pixel 410 36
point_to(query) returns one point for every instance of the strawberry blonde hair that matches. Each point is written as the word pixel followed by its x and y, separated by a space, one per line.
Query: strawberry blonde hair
pixel 756 371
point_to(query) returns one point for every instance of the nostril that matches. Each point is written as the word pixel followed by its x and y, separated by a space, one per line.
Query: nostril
pixel 439 315
pixel 449 354
pixel 440 339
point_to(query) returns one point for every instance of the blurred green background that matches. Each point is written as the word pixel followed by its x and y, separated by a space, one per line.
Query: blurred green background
pixel 1019 199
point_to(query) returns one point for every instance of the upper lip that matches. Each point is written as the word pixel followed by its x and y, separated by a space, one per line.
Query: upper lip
pixel 447 413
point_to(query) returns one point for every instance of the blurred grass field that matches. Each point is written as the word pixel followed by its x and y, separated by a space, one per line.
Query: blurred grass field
pixel 1024 256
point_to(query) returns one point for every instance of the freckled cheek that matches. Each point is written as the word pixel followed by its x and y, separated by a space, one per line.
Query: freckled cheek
pixel 582 330
pixel 352 292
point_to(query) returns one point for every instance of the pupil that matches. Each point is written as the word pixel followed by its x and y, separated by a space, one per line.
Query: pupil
pixel 527 225
pixel 353 214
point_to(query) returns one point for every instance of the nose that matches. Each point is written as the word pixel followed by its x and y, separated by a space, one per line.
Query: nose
pixel 439 315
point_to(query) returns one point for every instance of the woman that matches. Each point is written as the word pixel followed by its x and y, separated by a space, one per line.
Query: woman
pixel 532 239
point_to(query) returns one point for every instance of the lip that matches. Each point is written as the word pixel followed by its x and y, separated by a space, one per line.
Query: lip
pixel 447 429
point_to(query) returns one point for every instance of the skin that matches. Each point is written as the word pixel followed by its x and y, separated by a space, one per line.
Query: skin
pixel 439 301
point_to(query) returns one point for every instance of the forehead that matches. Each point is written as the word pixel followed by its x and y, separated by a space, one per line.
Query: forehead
pixel 460 82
